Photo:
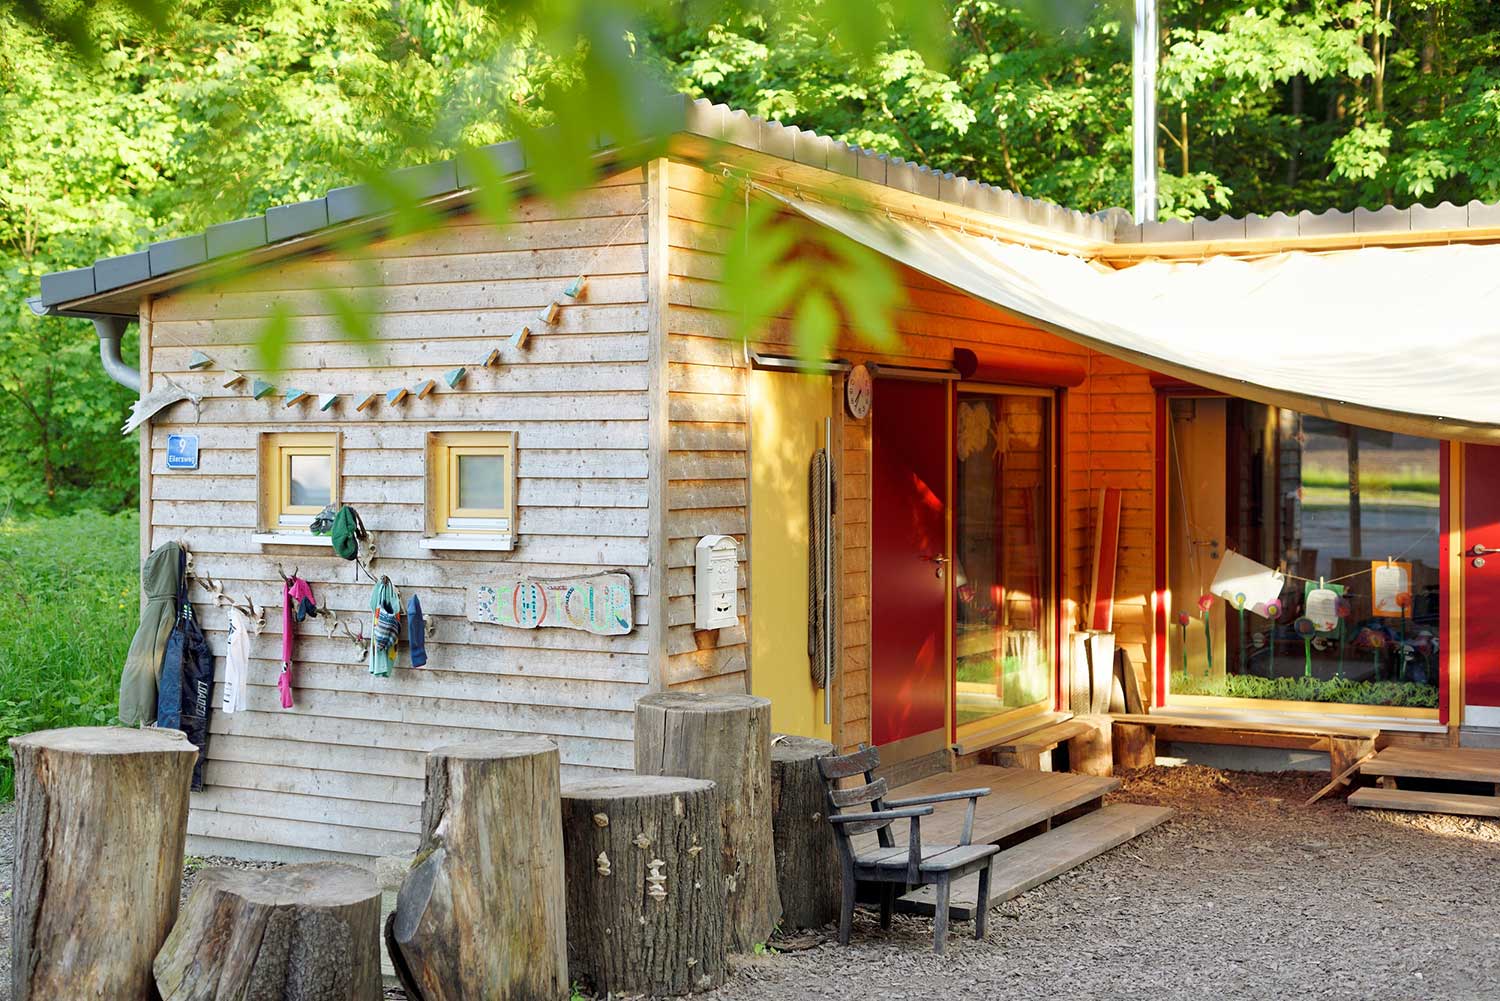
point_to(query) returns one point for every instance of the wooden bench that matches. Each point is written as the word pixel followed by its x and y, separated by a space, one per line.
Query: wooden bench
pixel 1135 736
pixel 1088 745
pixel 898 867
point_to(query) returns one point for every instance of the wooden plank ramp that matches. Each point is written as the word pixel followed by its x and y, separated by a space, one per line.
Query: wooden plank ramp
pixel 1414 801
pixel 1395 765
pixel 1033 862
pixel 1019 799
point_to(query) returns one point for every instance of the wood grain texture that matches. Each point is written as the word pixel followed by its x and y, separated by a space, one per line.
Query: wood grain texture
pixel 725 738
pixel 297 933
pixel 645 894
pixel 481 913
pixel 101 815
pixel 807 862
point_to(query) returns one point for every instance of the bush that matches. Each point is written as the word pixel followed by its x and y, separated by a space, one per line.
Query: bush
pixel 70 590
pixel 1345 690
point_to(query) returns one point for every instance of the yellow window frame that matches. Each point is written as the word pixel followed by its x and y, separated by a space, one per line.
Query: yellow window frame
pixel 444 450
pixel 276 453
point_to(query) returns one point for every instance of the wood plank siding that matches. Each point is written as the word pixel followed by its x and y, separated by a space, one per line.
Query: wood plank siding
pixel 342 772
pixel 1106 427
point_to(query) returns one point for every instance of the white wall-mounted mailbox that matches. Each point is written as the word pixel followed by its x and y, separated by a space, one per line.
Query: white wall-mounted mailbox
pixel 716 597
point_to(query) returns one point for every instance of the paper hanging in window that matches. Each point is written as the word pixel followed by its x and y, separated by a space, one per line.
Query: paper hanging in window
pixel 1390 581
pixel 1241 579
pixel 1321 606
pixel 594 603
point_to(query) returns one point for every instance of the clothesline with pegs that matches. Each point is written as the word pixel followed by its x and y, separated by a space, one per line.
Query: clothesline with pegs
pixel 1389 561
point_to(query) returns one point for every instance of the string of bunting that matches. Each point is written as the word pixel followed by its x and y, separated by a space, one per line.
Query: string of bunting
pixel 261 387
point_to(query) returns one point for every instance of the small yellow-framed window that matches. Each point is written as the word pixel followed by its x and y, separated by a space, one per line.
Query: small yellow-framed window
pixel 299 476
pixel 471 477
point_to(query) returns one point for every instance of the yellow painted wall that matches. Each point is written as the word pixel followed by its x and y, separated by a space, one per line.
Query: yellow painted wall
pixel 786 427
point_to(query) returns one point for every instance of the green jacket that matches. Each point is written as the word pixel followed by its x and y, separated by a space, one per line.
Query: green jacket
pixel 159 580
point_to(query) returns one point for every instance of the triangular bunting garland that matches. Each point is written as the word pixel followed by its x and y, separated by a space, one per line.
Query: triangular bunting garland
pixel 395 396
pixel 548 315
pixel 327 400
pixel 260 389
pixel 492 359
pixel 295 396
pixel 199 360
pixel 454 377
pixel 575 288
pixel 366 402
pixel 232 378
pixel 424 389
pixel 518 339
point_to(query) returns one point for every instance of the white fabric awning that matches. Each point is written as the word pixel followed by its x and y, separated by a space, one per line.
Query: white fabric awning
pixel 1400 339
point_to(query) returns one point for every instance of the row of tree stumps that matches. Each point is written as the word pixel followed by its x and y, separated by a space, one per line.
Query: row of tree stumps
pixel 522 885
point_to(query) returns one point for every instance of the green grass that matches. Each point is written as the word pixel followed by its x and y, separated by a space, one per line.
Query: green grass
pixel 69 590
pixel 1406 480
pixel 1302 689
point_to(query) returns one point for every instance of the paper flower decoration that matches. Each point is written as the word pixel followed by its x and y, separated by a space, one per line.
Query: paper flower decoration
pixel 1273 610
pixel 1305 627
pixel 1403 599
pixel 1184 619
pixel 1205 602
pixel 1239 600
pixel 1343 608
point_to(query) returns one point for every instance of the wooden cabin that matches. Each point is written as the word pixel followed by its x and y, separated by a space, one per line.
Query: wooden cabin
pixel 1003 459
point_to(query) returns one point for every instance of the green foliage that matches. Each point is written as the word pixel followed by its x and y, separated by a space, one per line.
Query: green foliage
pixel 69 587
pixel 1302 689
pixel 131 121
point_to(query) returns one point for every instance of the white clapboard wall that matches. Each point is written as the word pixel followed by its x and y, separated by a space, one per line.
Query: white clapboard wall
pixel 343 771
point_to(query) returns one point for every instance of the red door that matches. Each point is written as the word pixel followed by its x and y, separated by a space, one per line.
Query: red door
pixel 908 606
pixel 1481 590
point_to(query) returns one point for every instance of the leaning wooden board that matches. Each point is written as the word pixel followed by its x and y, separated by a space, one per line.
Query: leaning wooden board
pixel 1046 856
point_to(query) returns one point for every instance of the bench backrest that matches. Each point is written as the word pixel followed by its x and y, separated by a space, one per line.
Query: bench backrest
pixel 868 796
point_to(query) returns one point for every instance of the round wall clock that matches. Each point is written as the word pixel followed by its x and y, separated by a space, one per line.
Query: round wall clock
pixel 859 392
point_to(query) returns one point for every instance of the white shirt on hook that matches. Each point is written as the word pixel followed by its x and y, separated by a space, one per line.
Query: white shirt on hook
pixel 237 664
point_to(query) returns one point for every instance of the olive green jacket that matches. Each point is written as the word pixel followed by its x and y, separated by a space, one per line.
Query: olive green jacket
pixel 160 579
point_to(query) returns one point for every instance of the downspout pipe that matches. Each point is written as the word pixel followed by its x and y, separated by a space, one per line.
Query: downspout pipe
pixel 110 330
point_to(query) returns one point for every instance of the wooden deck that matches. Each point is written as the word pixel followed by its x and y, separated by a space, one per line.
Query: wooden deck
pixel 1395 767
pixel 1048 823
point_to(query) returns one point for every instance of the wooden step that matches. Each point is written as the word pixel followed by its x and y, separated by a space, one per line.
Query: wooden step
pixel 1046 856
pixel 1049 737
pixel 1456 764
pixel 1230 724
pixel 1425 802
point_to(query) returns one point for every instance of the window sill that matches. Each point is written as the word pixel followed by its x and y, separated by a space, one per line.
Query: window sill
pixel 291 539
pixel 485 543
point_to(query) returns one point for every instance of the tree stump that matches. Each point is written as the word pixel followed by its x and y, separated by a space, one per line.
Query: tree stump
pixel 645 895
pixel 297 933
pixel 481 913
pixel 1092 752
pixel 726 739
pixel 101 814
pixel 807 860
pixel 1134 745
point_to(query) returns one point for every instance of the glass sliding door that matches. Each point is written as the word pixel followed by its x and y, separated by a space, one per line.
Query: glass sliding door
pixel 1002 569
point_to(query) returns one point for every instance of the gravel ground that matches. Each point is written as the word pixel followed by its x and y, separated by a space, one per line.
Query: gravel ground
pixel 1245 894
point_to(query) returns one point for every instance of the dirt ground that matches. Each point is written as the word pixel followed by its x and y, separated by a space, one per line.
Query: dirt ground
pixel 1245 894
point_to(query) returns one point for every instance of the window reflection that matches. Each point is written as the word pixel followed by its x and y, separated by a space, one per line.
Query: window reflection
pixel 1001 537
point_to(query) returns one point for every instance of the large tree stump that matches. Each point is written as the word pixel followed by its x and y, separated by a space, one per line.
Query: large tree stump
pixel 481 913
pixel 726 739
pixel 298 933
pixel 101 814
pixel 807 860
pixel 645 895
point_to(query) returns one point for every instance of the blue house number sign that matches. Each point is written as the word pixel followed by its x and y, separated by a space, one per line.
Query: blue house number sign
pixel 182 451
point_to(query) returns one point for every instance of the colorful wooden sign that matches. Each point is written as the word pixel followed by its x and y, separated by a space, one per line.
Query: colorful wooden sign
pixel 595 603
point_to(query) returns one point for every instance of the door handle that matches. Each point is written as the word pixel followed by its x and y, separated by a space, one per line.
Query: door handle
pixel 1479 550
pixel 938 562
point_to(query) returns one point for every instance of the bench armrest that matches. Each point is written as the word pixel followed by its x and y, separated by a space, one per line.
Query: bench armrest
pixel 972 795
pixel 940 797
pixel 913 837
pixel 849 818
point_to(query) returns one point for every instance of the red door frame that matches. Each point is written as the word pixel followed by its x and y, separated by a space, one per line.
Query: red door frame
pixel 1166 390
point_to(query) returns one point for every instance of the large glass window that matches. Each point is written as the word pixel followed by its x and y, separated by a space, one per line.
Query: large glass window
pixel 1002 546
pixel 1349 514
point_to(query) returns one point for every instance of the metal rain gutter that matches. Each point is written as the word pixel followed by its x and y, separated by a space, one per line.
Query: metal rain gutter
pixel 111 329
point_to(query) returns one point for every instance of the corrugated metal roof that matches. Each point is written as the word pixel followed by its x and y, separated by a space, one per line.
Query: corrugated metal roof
pixel 719 123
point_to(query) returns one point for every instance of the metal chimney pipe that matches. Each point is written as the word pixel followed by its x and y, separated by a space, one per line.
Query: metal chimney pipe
pixel 1143 110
